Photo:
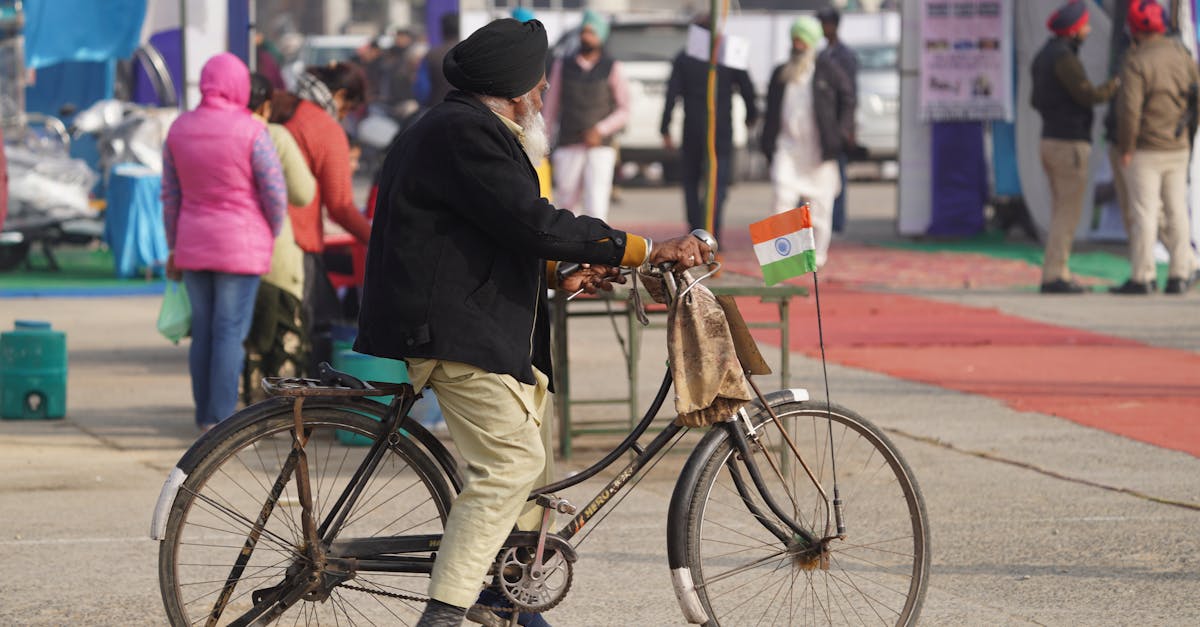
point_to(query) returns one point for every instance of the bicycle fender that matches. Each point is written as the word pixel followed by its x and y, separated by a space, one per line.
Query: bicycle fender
pixel 162 508
pixel 677 524
pixel 197 451
pixel 778 397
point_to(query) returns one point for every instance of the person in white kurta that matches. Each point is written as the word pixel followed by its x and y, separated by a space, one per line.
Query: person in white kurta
pixel 804 97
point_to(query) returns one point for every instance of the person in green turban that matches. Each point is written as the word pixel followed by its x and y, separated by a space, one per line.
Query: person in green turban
pixel 808 125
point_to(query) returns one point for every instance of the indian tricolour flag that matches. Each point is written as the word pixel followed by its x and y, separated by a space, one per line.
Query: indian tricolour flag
pixel 784 245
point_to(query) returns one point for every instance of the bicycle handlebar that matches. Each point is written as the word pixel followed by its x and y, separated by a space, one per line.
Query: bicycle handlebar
pixel 567 268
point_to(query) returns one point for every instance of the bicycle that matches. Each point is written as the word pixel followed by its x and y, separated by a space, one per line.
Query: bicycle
pixel 268 517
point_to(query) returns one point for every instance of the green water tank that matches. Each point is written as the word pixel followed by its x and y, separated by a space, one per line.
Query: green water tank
pixel 368 368
pixel 33 371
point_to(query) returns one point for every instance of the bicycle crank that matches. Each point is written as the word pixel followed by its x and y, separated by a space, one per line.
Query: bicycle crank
pixel 530 591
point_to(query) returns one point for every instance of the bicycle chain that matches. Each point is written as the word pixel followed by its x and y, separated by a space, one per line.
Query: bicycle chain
pixel 394 595
pixel 420 599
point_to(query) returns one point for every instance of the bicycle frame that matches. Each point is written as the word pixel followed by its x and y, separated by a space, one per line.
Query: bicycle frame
pixel 393 554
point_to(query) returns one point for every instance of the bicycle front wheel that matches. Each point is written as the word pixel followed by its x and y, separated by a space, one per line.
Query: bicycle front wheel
pixel 216 506
pixel 749 566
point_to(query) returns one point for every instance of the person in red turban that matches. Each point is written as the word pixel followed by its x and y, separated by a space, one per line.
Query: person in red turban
pixel 1156 117
pixel 1146 16
pixel 1064 97
pixel 1069 20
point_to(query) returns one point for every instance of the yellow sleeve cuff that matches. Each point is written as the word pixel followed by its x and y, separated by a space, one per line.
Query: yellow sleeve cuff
pixel 552 275
pixel 637 251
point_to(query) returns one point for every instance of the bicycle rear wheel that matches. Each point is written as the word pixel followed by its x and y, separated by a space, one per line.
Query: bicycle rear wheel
pixel 746 575
pixel 221 498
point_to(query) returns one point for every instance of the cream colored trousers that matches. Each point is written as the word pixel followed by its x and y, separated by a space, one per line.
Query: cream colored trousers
pixel 583 178
pixel 507 449
pixel 1066 166
pixel 1157 182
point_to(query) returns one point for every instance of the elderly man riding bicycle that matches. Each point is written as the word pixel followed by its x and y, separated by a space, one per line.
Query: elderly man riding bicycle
pixel 462 251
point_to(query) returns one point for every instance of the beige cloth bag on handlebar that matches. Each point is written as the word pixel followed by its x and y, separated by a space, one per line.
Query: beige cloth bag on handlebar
pixel 709 383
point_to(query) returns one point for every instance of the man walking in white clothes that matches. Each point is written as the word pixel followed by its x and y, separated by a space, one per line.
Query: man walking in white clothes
pixel 809 121
pixel 586 105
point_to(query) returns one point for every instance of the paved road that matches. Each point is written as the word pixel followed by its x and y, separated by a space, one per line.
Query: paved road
pixel 1035 520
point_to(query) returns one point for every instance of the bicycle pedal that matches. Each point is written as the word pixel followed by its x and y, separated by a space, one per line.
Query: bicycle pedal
pixel 562 506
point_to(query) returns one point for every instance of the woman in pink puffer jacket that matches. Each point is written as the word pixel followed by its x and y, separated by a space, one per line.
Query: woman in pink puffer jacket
pixel 224 200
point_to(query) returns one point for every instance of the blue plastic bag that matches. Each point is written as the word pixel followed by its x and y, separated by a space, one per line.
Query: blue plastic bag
pixel 175 316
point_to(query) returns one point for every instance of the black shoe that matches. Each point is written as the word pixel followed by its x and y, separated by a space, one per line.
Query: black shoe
pixel 488 610
pixel 1131 287
pixel 1177 285
pixel 1062 286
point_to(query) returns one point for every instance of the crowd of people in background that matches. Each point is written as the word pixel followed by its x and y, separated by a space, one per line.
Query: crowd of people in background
pixel 281 317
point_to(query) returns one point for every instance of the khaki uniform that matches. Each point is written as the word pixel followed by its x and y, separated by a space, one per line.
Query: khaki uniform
pixel 1151 124
pixel 1064 97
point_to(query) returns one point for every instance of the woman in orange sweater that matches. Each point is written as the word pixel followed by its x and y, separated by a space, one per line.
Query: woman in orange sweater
pixel 324 95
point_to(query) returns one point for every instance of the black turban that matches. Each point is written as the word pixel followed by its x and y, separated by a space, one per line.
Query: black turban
pixel 506 58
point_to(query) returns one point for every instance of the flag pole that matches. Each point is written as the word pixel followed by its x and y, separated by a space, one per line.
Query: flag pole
pixel 837 497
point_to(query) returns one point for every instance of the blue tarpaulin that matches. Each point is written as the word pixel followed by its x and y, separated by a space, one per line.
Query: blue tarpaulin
pixel 81 30
pixel 133 223
pixel 79 83
pixel 1004 159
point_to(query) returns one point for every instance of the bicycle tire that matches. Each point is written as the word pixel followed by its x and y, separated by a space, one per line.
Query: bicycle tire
pixel 744 574
pixel 407 494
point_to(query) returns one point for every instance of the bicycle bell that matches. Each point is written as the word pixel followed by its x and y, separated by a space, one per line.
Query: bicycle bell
pixel 709 240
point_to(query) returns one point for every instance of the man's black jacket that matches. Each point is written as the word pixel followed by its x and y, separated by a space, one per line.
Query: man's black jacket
pixel 689 80
pixel 833 104
pixel 455 266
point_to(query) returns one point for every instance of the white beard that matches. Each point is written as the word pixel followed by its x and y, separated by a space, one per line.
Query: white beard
pixel 799 65
pixel 533 135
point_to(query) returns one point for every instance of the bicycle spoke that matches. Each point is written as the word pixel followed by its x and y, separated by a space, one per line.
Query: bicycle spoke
pixel 846 548
pixel 234 517
pixel 760 590
pixel 860 575
pixel 872 602
pixel 346 607
pixel 294 526
pixel 350 520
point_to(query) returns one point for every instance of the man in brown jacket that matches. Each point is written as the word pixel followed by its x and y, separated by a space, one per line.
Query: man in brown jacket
pixel 1154 109
pixel 1064 97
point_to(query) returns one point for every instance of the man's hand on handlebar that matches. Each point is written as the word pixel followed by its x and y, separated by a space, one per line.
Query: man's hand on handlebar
pixel 592 278
pixel 684 252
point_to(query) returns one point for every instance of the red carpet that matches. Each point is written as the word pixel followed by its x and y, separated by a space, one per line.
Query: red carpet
pixel 1141 392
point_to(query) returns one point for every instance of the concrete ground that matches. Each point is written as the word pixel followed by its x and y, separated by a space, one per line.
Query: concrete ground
pixel 1035 520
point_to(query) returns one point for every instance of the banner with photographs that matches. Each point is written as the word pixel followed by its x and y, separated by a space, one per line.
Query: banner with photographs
pixel 966 60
